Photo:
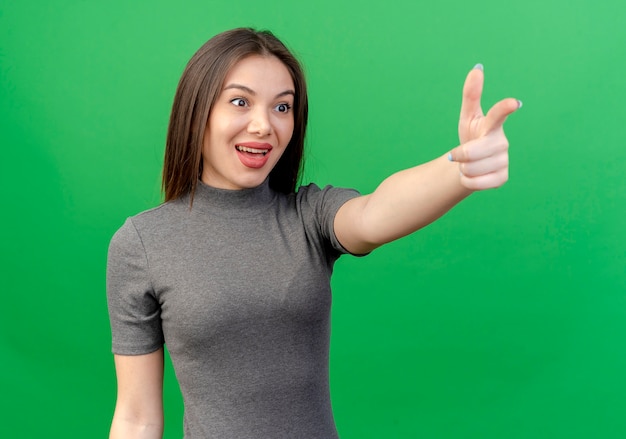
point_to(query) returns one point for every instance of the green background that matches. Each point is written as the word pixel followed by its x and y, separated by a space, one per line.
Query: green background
pixel 505 319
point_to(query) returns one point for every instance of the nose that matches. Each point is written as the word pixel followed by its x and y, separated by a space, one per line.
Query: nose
pixel 260 123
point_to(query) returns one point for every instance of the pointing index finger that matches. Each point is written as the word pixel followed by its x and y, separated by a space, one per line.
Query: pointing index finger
pixel 472 92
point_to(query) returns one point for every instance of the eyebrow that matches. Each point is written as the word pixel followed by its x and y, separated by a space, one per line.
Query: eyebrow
pixel 252 92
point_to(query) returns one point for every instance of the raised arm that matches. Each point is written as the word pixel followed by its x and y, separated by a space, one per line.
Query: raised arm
pixel 413 198
pixel 139 407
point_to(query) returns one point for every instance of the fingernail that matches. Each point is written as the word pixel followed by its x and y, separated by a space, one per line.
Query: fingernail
pixel 450 157
pixel 519 104
pixel 479 66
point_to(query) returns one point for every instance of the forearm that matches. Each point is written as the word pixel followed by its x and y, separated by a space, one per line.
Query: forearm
pixel 413 198
pixel 403 203
pixel 124 427
pixel 139 405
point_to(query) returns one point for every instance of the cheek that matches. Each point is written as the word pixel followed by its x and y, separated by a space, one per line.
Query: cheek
pixel 216 139
pixel 286 131
pixel 211 141
pixel 206 141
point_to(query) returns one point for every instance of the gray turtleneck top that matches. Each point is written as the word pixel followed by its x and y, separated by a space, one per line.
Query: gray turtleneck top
pixel 238 289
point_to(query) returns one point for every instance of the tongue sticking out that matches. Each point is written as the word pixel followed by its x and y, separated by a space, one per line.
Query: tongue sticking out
pixel 252 157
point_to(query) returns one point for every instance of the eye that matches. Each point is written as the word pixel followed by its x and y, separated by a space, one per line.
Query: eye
pixel 283 108
pixel 239 102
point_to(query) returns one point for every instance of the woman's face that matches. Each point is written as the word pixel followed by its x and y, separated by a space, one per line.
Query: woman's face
pixel 250 124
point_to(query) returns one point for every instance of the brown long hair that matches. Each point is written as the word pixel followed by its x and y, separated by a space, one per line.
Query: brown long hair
pixel 199 88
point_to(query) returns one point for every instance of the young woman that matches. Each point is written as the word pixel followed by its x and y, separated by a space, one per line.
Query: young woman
pixel 232 272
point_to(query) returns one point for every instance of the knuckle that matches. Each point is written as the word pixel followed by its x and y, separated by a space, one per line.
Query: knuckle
pixel 468 152
pixel 463 151
pixel 503 177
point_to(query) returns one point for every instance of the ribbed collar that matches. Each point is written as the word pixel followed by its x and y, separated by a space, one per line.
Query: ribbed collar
pixel 225 202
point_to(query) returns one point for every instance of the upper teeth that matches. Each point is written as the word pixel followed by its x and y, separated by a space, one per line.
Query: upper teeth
pixel 252 150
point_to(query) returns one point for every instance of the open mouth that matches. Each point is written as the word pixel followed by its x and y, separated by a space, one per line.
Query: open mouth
pixel 253 155
pixel 262 152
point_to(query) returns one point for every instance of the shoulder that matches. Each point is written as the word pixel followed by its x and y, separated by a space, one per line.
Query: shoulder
pixel 162 213
pixel 147 222
pixel 321 204
pixel 312 190
pixel 317 208
pixel 328 196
